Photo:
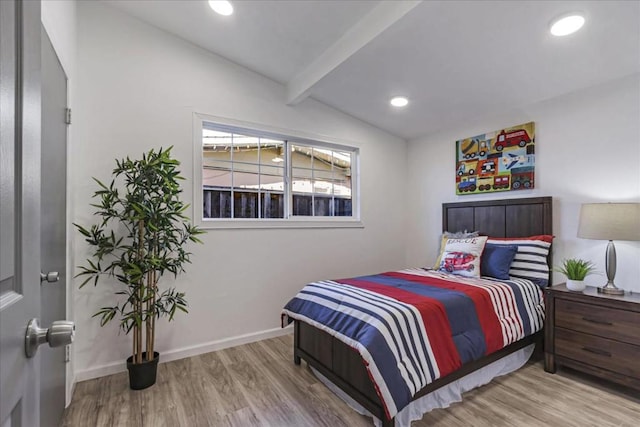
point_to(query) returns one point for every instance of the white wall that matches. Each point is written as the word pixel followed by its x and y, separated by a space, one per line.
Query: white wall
pixel 138 88
pixel 59 21
pixel 587 150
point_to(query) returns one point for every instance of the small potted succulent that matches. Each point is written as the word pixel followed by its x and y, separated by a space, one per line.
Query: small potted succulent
pixel 576 270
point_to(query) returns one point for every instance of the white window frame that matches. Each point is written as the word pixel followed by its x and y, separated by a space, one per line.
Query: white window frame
pixel 354 221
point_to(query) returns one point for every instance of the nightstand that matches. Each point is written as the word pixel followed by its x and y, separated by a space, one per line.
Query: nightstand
pixel 594 333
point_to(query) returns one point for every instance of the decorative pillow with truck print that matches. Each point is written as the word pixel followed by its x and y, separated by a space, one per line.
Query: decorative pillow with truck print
pixel 462 256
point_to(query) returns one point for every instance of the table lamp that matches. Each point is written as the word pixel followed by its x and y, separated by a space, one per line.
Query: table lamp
pixel 610 221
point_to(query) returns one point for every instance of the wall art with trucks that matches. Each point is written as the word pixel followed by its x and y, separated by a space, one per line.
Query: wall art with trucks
pixel 496 161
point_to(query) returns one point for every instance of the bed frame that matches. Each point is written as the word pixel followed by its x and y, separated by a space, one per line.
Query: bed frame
pixel 343 366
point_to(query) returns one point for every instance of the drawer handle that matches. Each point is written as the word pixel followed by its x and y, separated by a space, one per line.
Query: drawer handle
pixel 597 351
pixel 599 322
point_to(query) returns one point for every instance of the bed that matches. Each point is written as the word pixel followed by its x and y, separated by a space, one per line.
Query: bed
pixel 345 368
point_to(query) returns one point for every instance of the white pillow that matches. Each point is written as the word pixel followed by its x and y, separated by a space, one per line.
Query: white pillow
pixel 530 261
pixel 448 235
pixel 462 256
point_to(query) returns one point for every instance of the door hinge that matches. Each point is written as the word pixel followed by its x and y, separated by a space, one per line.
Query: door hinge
pixel 67 116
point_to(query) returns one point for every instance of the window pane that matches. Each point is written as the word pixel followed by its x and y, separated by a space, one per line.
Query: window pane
pixel 245 204
pixel 322 158
pixel 216 176
pixel 301 173
pixel 342 207
pixel 211 157
pixel 272 170
pixel 216 145
pixel 342 188
pixel 301 156
pixel 271 152
pixel 245 167
pixel 301 185
pixel 245 149
pixel 217 204
pixel 209 162
pixel 243 180
pixel 322 187
pixel 342 160
pixel 322 205
pixel 342 170
pixel 240 140
pixel 324 175
pixel 272 182
pixel 302 205
pixel 301 180
pixel 272 204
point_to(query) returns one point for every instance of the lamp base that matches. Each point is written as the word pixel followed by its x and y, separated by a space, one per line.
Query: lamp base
pixel 610 265
pixel 610 289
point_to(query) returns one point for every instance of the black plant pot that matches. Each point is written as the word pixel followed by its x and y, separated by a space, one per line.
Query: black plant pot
pixel 143 375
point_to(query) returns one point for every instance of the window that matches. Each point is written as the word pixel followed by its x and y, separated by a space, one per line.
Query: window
pixel 250 174
pixel 320 181
pixel 242 176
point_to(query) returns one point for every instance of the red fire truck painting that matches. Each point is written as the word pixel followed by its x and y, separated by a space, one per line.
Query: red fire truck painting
pixel 455 261
pixel 517 137
pixel 501 160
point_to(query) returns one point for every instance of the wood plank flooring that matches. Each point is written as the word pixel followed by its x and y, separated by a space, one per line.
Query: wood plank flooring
pixel 258 385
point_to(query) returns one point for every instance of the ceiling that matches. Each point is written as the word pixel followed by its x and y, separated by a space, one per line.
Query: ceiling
pixel 455 60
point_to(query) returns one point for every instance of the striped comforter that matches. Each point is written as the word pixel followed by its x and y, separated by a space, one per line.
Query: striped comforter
pixel 414 326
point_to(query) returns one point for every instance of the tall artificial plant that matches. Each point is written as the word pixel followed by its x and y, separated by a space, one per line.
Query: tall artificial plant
pixel 141 235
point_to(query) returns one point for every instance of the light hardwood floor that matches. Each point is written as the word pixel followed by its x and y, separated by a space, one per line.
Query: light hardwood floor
pixel 258 385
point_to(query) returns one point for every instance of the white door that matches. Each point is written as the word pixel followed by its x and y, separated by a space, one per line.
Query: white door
pixel 19 208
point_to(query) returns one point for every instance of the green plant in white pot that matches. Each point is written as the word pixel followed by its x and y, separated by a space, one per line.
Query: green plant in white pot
pixel 141 234
pixel 576 270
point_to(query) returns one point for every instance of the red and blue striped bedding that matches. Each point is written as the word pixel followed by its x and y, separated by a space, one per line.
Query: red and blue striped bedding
pixel 414 326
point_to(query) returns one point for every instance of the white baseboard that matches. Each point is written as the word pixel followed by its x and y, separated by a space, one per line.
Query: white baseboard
pixel 181 353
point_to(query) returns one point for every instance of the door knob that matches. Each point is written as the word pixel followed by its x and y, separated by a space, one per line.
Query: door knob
pixel 60 333
pixel 50 277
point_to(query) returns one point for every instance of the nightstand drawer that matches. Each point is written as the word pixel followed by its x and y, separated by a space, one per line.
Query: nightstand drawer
pixel 607 322
pixel 597 351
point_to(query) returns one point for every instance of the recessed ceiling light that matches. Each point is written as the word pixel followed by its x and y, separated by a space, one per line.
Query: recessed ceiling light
pixel 399 101
pixel 223 7
pixel 567 24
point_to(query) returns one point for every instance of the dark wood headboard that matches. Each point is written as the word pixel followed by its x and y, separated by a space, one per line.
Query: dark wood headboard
pixel 501 218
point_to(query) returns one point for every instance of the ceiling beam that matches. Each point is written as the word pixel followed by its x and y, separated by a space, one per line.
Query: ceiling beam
pixel 362 33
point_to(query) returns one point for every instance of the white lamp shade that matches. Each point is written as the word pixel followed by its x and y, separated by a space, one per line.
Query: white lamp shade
pixel 610 221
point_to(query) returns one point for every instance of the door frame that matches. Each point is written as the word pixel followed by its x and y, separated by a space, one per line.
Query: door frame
pixel 66 57
pixel 68 374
